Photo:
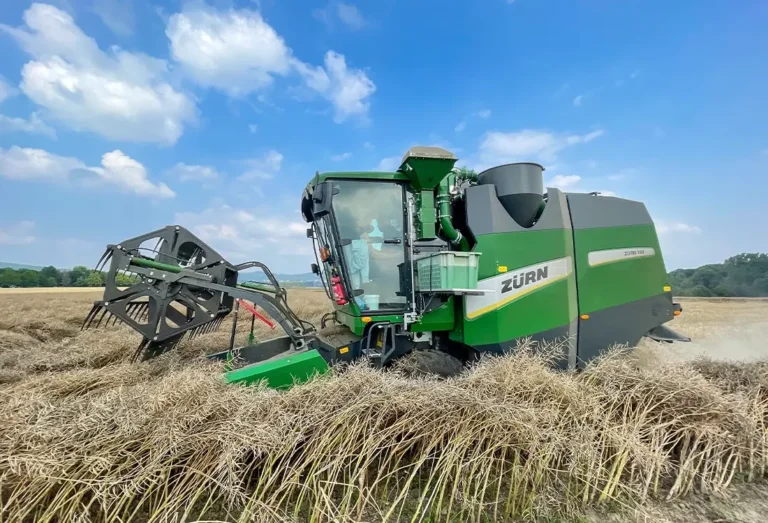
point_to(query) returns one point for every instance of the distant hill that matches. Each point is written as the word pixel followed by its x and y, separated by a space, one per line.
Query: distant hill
pixel 305 279
pixel 8 265
pixel 743 275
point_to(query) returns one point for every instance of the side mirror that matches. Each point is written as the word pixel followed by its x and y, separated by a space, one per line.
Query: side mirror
pixel 315 269
pixel 321 199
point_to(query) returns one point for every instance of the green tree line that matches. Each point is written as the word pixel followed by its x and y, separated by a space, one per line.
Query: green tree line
pixel 78 276
pixel 741 275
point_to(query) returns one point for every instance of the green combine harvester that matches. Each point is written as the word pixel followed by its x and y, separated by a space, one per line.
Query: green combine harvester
pixel 431 262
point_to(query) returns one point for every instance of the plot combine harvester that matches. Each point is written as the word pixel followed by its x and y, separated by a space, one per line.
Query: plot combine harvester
pixel 430 261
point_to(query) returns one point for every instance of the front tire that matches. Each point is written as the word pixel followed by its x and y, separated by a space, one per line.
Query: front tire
pixel 430 363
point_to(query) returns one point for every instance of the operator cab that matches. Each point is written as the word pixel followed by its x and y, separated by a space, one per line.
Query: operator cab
pixel 360 240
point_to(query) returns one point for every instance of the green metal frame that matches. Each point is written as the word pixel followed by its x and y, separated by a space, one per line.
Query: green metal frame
pixel 281 373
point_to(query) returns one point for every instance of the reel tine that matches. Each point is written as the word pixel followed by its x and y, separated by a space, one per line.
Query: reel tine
pixel 103 313
pixel 91 315
pixel 114 319
pixel 144 313
pixel 136 310
pixel 104 259
pixel 130 309
pixel 142 344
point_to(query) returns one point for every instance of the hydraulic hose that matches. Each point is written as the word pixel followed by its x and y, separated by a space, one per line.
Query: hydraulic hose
pixel 444 216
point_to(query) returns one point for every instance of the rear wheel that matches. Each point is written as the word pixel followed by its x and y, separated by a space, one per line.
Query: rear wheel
pixel 430 362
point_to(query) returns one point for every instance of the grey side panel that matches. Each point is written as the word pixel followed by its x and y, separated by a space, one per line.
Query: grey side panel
pixel 486 214
pixel 565 334
pixel 622 324
pixel 590 212
pixel 556 214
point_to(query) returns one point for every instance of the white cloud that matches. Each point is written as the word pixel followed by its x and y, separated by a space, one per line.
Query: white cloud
pixel 584 138
pixel 526 145
pixel 460 127
pixel 624 174
pixel 485 113
pixel 249 234
pixel 664 227
pixel 578 100
pixel 238 52
pixel 574 183
pixel 341 157
pixel 350 15
pixel 262 168
pixel 117 169
pixel 253 128
pixel 563 182
pixel 126 173
pixel 32 126
pixel 118 15
pixel 6 90
pixel 19 163
pixel 21 233
pixel 119 95
pixel 347 89
pixel 187 173
pixel 369 146
pixel 234 50
pixel 389 164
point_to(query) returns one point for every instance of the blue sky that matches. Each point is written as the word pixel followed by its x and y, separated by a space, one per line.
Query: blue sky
pixel 121 116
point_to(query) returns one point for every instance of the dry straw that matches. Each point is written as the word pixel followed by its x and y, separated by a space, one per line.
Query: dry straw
pixel 85 436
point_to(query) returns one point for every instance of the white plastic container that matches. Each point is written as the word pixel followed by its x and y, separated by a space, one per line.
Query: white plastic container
pixel 447 270
pixel 371 301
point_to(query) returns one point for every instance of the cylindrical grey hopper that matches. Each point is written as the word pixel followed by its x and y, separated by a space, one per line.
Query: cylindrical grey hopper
pixel 519 187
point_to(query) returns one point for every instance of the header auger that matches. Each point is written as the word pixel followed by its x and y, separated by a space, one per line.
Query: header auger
pixel 431 262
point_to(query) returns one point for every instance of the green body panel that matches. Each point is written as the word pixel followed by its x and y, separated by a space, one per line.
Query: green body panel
pixel 442 318
pixel 425 215
pixel 350 315
pixel 281 373
pixel 426 173
pixel 550 306
pixel 617 282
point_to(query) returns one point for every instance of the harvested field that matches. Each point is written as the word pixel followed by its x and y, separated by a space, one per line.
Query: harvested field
pixel 87 437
